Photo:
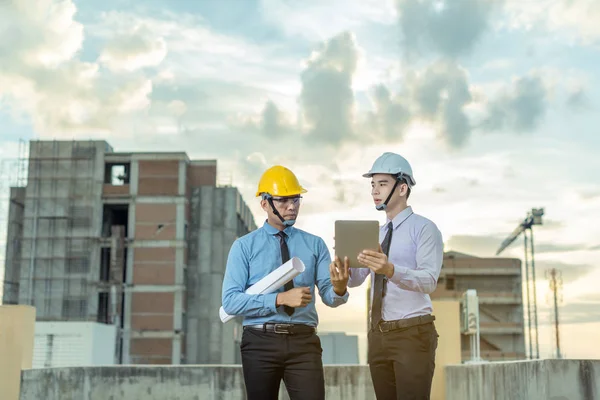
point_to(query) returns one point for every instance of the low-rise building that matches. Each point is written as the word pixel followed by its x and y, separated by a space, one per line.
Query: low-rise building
pixel 498 284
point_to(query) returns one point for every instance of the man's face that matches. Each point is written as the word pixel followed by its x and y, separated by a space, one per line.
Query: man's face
pixel 381 186
pixel 287 207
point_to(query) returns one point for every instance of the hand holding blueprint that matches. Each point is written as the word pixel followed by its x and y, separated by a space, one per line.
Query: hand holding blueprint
pixel 272 282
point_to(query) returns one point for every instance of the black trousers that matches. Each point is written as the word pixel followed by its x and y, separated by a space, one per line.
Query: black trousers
pixel 269 357
pixel 402 362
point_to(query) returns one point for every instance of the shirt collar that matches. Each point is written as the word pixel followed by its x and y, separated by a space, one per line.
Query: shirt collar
pixel 271 230
pixel 400 218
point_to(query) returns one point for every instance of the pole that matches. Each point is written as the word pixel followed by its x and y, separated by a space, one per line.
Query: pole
pixel 527 292
pixel 535 316
pixel 33 248
pixel 555 293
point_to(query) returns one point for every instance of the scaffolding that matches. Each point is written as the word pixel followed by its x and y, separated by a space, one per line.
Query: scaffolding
pixel 59 238
pixel 13 176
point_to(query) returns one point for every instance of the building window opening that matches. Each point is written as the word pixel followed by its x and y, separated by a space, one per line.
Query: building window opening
pixel 114 214
pixel 116 174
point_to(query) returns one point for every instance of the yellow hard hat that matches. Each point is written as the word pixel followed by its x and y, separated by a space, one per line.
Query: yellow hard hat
pixel 279 181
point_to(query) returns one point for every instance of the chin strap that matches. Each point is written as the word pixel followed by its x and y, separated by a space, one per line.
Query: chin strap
pixel 382 207
pixel 286 222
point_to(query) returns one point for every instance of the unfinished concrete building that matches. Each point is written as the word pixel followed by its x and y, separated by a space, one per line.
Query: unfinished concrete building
pixel 499 288
pixel 14 227
pixel 138 240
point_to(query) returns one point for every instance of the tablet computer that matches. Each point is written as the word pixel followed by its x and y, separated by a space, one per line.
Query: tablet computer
pixel 352 237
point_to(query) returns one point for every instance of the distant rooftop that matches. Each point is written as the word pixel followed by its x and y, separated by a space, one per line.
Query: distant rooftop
pixel 456 254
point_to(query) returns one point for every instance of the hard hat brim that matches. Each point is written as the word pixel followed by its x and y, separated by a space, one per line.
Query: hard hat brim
pixel 288 194
pixel 411 180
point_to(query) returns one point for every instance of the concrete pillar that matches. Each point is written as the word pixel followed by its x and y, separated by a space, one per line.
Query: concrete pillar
pixel 447 323
pixel 17 325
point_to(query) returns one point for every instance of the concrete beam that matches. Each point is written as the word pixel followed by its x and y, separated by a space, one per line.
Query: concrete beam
pixel 155 288
pixel 160 156
pixel 483 271
pixel 158 243
pixel 134 176
pixel 154 334
pixel 177 199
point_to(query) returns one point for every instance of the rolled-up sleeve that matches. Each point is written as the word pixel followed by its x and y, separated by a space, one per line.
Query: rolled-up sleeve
pixel 234 299
pixel 429 258
pixel 358 276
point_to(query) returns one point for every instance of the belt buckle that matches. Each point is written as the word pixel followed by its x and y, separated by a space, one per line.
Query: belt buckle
pixel 381 329
pixel 282 328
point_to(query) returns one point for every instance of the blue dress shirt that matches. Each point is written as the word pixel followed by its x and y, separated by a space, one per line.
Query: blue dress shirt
pixel 256 254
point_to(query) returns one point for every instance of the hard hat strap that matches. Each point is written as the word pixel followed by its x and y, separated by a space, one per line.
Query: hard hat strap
pixel 383 206
pixel 269 198
pixel 392 192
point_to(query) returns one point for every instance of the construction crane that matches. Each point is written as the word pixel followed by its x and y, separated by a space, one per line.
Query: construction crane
pixel 534 217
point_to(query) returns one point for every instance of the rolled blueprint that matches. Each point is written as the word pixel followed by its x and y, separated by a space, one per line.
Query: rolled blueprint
pixel 272 282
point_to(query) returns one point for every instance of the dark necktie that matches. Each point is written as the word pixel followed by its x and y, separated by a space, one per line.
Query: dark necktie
pixel 285 257
pixel 379 281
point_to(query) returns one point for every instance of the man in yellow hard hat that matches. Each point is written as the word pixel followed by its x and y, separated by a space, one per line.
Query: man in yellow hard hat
pixel 279 339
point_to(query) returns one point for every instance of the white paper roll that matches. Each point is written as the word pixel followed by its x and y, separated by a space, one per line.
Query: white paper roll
pixel 272 282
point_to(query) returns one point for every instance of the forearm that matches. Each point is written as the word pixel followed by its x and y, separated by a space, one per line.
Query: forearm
pixel 249 305
pixel 331 298
pixel 419 280
pixel 323 279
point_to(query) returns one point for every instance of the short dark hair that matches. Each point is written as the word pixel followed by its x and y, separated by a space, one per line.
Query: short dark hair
pixel 403 180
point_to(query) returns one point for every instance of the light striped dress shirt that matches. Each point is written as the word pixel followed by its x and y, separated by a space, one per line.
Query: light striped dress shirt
pixel 417 252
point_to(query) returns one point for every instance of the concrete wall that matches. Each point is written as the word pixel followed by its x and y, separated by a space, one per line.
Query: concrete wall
pixel 527 380
pixel 174 382
pixel 16 347
pixel 71 344
pixel 339 348
pixel 199 382
pixel 520 380
pixel 447 323
pixel 218 217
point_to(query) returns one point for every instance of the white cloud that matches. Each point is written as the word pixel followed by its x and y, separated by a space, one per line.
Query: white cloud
pixel 451 28
pixel 327 98
pixel 519 107
pixel 498 64
pixel 133 50
pixel 575 18
pixel 38 33
pixel 317 20
pixel 42 76
pixel 194 50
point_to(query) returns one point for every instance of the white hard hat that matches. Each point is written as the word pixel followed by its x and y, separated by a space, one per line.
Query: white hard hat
pixel 394 164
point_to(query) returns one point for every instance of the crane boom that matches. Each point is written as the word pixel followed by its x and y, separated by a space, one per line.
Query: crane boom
pixel 511 238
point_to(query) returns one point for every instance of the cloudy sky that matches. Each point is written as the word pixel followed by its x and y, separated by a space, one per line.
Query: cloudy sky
pixel 495 104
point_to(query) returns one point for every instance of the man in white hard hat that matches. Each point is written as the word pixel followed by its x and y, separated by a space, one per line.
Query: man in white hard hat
pixel 402 336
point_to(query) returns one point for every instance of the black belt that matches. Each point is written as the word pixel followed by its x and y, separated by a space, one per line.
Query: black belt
pixel 386 326
pixel 285 329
